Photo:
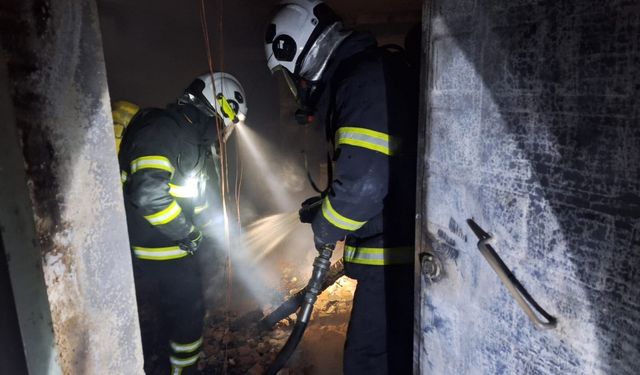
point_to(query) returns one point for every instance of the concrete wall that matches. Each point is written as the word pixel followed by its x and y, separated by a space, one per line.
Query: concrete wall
pixel 531 127
pixel 63 223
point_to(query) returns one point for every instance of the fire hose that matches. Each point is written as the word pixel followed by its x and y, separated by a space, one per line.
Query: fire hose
pixel 293 303
pixel 316 284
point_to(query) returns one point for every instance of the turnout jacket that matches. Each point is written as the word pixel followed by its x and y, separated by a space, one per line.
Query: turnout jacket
pixel 369 109
pixel 164 168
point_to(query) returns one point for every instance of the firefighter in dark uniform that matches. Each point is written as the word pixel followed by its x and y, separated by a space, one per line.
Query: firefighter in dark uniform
pixel 365 97
pixel 165 160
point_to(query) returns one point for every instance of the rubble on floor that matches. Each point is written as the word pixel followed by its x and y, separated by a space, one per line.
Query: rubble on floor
pixel 235 344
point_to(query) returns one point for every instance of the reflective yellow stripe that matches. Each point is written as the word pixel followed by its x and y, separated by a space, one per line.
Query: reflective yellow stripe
pixel 165 216
pixel 198 209
pixel 338 220
pixel 159 253
pixel 226 108
pixel 184 362
pixel 366 138
pixel 186 348
pixel 183 191
pixel 123 176
pixel 379 256
pixel 153 161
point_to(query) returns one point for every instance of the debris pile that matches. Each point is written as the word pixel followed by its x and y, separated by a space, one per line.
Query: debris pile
pixel 237 344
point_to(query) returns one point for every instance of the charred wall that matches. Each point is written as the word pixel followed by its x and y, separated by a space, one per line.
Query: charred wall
pixel 63 223
pixel 531 128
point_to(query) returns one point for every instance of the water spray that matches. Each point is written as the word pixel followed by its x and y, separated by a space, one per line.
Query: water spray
pixel 250 142
pixel 266 234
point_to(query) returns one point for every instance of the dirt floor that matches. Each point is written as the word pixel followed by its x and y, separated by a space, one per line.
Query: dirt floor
pixel 233 343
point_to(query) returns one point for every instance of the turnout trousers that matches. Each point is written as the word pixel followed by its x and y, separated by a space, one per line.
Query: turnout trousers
pixel 171 310
pixel 380 334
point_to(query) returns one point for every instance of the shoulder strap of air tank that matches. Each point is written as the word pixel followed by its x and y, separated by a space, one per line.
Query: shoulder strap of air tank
pixel 331 127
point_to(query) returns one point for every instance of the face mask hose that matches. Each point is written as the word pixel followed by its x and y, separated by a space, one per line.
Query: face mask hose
pixel 315 286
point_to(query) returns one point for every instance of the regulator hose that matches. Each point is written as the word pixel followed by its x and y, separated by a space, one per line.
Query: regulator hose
pixel 321 266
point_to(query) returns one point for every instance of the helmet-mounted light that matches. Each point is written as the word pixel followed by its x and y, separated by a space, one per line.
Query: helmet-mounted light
pixel 229 109
pixel 218 95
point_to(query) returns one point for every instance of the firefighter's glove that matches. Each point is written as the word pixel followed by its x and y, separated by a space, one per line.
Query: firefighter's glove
pixel 310 208
pixel 191 242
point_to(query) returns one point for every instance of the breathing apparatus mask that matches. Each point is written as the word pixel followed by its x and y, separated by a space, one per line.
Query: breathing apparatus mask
pixel 299 42
pixel 306 93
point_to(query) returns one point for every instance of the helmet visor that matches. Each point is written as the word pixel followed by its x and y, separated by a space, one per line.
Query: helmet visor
pixel 288 77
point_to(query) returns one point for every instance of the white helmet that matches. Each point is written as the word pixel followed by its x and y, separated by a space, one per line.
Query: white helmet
pixel 218 94
pixel 294 29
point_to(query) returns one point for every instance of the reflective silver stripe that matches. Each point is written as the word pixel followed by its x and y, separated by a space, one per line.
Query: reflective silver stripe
pixel 379 256
pixel 366 138
pixel 154 161
pixel 123 176
pixel 184 362
pixel 183 191
pixel 166 215
pixel 338 220
pixel 159 253
pixel 186 348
